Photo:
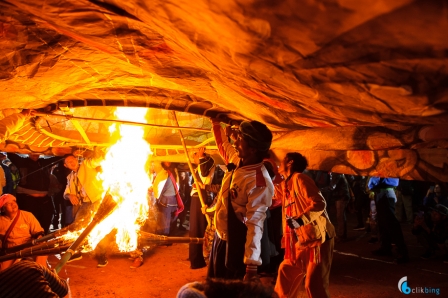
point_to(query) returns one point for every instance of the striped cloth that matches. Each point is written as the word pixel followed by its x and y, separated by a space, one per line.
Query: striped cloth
pixel 29 279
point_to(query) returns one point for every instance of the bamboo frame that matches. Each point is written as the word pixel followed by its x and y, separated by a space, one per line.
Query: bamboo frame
pixel 68 117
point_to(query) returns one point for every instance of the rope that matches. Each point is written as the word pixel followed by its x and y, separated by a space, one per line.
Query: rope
pixel 40 169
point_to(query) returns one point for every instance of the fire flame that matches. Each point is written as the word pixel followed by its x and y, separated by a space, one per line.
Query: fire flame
pixel 71 236
pixel 125 178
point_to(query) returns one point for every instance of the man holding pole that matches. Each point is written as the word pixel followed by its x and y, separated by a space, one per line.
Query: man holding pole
pixel 209 185
pixel 84 190
pixel 246 193
pixel 17 227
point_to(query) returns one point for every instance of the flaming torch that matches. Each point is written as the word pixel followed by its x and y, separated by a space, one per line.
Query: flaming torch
pixel 127 183
pixel 107 206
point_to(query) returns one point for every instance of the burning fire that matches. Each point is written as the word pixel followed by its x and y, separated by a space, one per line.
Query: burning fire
pixel 125 178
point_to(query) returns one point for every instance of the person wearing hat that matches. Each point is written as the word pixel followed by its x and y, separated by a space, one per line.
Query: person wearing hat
pixel 434 233
pixel 17 227
pixel 246 194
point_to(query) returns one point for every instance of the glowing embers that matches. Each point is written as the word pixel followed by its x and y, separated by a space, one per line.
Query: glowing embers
pixel 126 179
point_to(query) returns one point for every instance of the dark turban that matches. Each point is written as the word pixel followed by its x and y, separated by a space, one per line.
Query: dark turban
pixel 256 134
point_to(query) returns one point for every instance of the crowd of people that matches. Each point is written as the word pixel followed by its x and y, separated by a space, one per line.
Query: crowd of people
pixel 256 217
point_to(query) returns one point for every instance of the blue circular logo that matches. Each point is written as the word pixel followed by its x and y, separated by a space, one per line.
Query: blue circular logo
pixel 403 285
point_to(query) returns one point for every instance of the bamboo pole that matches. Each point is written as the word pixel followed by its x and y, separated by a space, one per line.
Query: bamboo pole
pixel 107 206
pixel 192 240
pixel 29 246
pixel 17 248
pixel 69 117
pixel 33 251
pixel 70 228
pixel 150 237
pixel 195 175
pixel 44 242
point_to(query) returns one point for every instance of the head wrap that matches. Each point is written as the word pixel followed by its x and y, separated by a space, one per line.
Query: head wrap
pixel 5 199
pixel 256 134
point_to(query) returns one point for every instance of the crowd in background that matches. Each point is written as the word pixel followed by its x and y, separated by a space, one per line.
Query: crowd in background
pixel 276 217
pixel 39 185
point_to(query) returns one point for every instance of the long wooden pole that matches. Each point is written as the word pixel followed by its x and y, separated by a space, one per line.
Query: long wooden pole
pixel 153 238
pixel 195 175
pixel 107 206
pixel 37 252
pixel 69 117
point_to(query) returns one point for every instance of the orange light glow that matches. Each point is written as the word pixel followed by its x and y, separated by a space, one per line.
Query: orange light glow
pixel 71 236
pixel 125 178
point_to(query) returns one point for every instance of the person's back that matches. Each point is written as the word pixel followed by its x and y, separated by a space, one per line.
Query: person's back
pixel 214 288
pixel 29 279
pixel 389 227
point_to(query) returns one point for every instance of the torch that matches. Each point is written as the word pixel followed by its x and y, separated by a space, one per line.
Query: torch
pixel 35 242
pixel 195 176
pixel 107 206
pixel 34 251
pixel 71 228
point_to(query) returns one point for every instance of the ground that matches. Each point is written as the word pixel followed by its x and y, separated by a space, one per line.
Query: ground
pixel 355 272
pixel 165 270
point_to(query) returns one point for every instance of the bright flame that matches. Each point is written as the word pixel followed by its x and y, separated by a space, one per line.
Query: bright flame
pixel 71 236
pixel 125 178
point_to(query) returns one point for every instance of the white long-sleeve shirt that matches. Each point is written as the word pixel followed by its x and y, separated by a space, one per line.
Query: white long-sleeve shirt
pixel 251 192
